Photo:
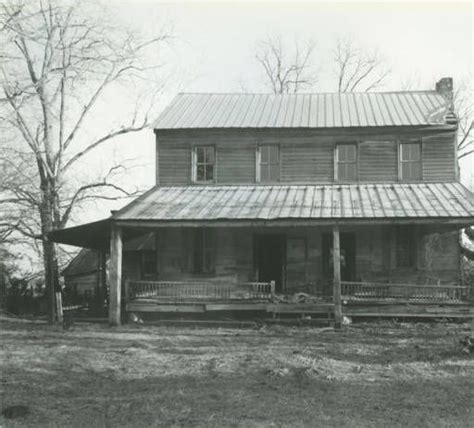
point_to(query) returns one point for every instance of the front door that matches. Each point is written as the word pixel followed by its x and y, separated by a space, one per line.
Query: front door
pixel 348 251
pixel 269 253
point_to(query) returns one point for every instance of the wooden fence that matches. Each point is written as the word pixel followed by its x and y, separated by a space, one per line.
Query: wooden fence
pixel 174 291
pixel 411 292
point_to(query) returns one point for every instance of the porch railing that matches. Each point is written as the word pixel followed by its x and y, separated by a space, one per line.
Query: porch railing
pixel 411 292
pixel 175 291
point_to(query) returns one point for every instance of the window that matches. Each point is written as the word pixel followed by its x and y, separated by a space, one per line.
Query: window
pixel 410 161
pixel 346 162
pixel 148 264
pixel 203 251
pixel 405 247
pixel 268 163
pixel 204 162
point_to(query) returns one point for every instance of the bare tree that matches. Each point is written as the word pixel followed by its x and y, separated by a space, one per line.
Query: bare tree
pixel 287 71
pixel 58 63
pixel 462 98
pixel 356 69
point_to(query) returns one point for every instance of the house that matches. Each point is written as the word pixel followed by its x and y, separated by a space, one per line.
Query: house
pixel 349 197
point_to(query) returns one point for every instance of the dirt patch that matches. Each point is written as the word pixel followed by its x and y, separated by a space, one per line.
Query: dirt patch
pixel 366 375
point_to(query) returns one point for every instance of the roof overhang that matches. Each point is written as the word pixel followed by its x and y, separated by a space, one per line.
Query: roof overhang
pixel 455 223
pixel 95 235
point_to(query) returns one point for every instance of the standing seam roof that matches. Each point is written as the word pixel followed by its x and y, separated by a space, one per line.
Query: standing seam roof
pixel 266 202
pixel 194 111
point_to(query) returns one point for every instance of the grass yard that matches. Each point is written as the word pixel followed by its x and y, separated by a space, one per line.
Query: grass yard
pixel 370 375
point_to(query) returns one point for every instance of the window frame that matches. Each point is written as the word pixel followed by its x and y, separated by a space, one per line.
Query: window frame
pixel 337 162
pixel 401 162
pixel 195 164
pixel 258 159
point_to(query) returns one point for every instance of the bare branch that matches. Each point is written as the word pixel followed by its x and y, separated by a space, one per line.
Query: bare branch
pixel 286 73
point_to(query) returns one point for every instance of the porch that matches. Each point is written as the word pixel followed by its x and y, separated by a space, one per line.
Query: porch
pixel 359 299
pixel 382 246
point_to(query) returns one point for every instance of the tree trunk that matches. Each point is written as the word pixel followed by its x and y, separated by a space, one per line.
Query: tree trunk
pixel 50 259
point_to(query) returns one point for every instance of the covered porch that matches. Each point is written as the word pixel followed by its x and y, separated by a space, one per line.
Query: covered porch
pixel 279 249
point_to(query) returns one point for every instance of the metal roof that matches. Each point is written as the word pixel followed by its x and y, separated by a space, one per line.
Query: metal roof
pixel 329 201
pixel 332 110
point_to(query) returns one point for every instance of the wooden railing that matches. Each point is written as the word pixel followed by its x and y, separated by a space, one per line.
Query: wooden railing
pixel 412 292
pixel 175 291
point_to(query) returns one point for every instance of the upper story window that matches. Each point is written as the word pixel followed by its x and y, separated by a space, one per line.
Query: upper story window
pixel 268 163
pixel 346 162
pixel 204 164
pixel 410 161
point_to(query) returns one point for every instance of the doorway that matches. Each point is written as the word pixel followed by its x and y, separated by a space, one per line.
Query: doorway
pixel 348 256
pixel 269 258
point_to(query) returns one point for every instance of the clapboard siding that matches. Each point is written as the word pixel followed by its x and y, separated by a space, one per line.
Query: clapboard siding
pixel 174 164
pixel 307 162
pixel 439 158
pixel 236 163
pixel 378 161
pixel 305 157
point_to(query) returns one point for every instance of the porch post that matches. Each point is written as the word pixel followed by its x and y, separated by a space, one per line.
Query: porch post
pixel 336 258
pixel 115 275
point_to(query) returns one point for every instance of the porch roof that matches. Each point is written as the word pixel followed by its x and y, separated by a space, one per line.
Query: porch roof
pixel 280 205
pixel 415 201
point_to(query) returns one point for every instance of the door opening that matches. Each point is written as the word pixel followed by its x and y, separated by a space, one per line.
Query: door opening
pixel 269 258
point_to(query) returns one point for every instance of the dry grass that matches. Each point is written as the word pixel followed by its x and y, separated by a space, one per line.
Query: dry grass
pixel 367 375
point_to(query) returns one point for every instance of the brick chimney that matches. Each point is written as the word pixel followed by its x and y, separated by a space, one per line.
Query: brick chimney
pixel 445 87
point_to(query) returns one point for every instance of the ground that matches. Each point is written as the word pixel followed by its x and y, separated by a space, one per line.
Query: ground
pixel 370 375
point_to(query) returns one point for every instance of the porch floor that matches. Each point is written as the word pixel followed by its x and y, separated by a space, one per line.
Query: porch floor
pixel 353 309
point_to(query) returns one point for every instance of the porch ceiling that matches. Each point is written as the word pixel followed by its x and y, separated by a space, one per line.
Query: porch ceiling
pixel 450 202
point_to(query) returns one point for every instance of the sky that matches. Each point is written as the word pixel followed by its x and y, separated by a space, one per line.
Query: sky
pixel 213 50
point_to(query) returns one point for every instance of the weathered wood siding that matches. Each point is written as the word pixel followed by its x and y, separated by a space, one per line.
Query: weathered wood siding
pixel 437 256
pixel 306 157
pixel 439 158
pixel 378 161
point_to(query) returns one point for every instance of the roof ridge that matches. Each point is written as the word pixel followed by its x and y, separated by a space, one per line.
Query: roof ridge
pixel 309 93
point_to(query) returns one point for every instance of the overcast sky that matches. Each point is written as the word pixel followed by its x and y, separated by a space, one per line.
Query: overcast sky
pixel 214 46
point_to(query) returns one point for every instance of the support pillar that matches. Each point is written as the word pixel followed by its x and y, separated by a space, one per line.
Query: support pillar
pixel 115 275
pixel 336 258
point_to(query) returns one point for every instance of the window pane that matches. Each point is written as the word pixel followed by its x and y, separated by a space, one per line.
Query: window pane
pixel 341 153
pixel 264 156
pixel 406 171
pixel 415 171
pixel 209 172
pixel 210 155
pixel 410 151
pixel 274 173
pixel 347 152
pixel 200 173
pixel 264 176
pixel 350 171
pixel 415 152
pixel 274 155
pixel 200 154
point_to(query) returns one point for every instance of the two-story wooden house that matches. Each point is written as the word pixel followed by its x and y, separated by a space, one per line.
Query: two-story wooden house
pixel 259 196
